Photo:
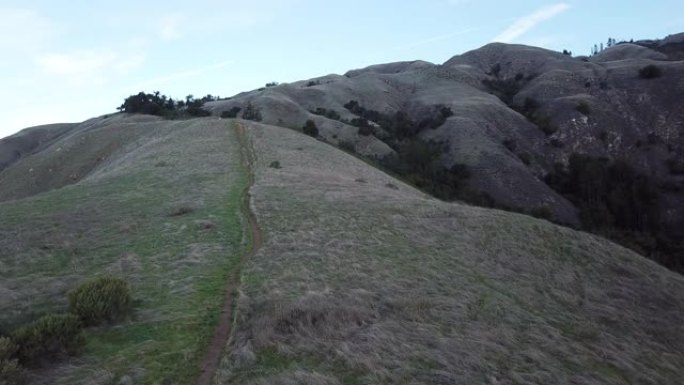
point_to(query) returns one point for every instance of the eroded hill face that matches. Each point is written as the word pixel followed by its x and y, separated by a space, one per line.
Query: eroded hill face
pixel 517 112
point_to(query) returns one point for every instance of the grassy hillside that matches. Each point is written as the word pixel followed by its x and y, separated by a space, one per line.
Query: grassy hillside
pixel 364 280
pixel 360 278
pixel 157 205
pixel 517 117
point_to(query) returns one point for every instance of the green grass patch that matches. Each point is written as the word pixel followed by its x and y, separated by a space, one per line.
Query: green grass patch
pixel 120 225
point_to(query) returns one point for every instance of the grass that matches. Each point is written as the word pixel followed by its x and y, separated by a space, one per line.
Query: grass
pixel 382 285
pixel 118 222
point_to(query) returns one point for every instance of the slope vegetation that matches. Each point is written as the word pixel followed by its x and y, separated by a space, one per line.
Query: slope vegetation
pixel 363 279
pixel 518 115
pixel 154 202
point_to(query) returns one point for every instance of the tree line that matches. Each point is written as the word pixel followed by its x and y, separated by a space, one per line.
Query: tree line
pixel 162 105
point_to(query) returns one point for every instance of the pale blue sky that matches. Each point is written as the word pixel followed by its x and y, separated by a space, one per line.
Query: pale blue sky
pixel 66 61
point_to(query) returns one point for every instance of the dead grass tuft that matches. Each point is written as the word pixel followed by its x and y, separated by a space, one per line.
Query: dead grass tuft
pixel 181 210
pixel 205 224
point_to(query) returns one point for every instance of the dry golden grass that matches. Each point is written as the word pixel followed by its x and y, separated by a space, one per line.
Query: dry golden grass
pixel 360 283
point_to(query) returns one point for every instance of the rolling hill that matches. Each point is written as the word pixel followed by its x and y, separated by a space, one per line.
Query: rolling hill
pixel 518 115
pixel 260 255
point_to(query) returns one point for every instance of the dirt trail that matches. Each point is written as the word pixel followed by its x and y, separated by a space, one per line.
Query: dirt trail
pixel 219 339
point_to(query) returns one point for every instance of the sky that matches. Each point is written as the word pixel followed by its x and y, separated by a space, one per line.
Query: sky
pixel 67 61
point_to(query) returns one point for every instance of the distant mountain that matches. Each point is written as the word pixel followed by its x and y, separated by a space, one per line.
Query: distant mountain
pixel 596 143
pixel 520 113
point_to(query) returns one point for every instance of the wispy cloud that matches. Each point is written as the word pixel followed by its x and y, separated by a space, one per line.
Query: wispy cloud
pixel 87 66
pixel 170 27
pixel 162 80
pixel 25 30
pixel 528 22
pixel 437 38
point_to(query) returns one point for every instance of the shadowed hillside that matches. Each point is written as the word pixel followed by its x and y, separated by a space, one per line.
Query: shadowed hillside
pixel 363 279
pixel 517 115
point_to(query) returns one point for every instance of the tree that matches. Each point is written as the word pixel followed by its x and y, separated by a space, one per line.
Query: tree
pixel 251 113
pixel 650 71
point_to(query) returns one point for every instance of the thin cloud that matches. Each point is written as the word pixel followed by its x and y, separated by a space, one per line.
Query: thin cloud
pixel 89 66
pixel 437 38
pixel 178 75
pixel 528 22
pixel 25 30
pixel 169 27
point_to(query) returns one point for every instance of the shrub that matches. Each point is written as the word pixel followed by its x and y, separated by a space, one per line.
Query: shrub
pixel 525 157
pixel 675 165
pixel 197 112
pixel 650 72
pixel 330 114
pixel 102 299
pixel 275 164
pixel 310 128
pixel 181 210
pixel 504 89
pixel 346 146
pixel 603 136
pixel 542 212
pixel 510 144
pixel 583 108
pixel 555 142
pixel 11 373
pixel 312 83
pixel 365 130
pixel 7 348
pixel 251 113
pixel 49 337
pixel 231 113
pixel 545 124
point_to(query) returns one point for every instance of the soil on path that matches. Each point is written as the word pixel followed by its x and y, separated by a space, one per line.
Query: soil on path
pixel 219 339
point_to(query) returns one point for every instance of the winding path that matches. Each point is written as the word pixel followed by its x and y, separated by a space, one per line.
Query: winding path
pixel 222 332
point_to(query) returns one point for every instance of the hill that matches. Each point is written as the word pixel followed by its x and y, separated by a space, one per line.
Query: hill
pixel 152 201
pixel 260 255
pixel 516 117
pixel 360 278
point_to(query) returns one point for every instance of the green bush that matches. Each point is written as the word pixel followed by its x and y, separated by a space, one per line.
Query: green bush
pixel 102 299
pixel 48 337
pixel 231 113
pixel 583 108
pixel 7 348
pixel 675 165
pixel 251 112
pixel 650 72
pixel 310 128
pixel 525 157
pixel 11 373
pixel 545 124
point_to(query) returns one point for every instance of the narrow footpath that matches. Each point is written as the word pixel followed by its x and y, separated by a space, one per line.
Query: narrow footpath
pixel 219 339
